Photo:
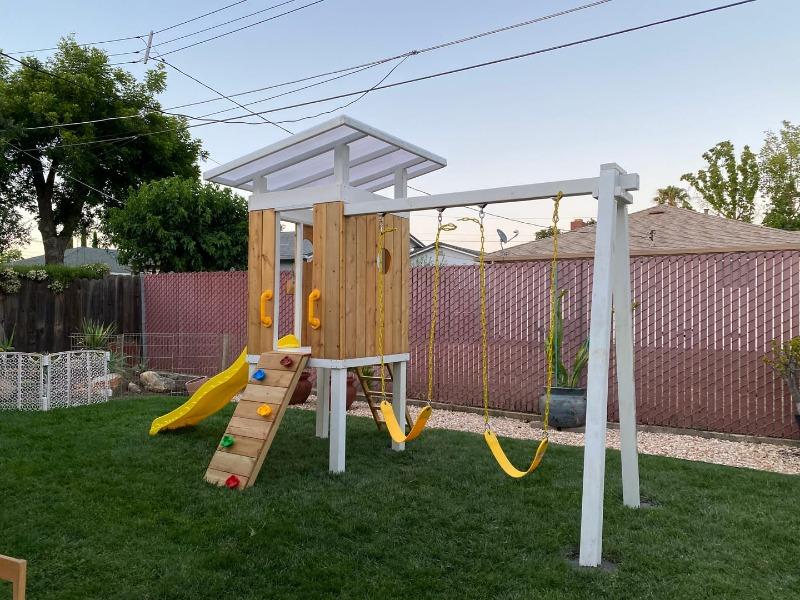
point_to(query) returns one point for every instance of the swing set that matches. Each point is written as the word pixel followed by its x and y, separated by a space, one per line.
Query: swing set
pixel 396 431
pixel 351 304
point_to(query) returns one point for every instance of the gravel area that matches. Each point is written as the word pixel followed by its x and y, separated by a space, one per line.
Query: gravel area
pixel 762 456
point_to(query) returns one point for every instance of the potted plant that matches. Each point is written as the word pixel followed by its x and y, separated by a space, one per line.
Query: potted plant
pixel 785 361
pixel 303 389
pixel 567 398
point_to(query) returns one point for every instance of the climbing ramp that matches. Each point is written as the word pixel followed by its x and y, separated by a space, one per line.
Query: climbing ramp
pixel 248 437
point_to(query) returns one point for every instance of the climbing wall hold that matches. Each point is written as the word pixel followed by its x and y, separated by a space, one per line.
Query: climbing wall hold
pixel 232 482
pixel 259 375
pixel 227 441
pixel 264 410
pixel 287 361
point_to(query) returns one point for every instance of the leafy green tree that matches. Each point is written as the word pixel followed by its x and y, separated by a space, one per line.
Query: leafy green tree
pixel 42 167
pixel 179 224
pixel 779 161
pixel 13 230
pixel 672 195
pixel 727 185
pixel 545 233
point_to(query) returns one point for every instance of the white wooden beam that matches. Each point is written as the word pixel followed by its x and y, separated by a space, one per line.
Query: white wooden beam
pixel 623 344
pixel 304 216
pixel 323 402
pixel 594 454
pixel 298 282
pixel 399 399
pixel 341 164
pixel 276 284
pixel 336 459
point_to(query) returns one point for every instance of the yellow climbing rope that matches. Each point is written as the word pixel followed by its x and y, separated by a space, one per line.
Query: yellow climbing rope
pixel 491 438
pixel 396 431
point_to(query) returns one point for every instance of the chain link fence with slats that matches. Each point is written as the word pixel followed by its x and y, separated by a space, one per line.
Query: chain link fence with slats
pixel 702 326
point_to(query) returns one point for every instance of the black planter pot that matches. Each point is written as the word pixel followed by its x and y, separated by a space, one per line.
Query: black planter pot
pixel 567 407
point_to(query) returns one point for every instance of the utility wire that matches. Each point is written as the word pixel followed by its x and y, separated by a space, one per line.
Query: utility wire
pixel 345 72
pixel 226 7
pixel 651 24
pixel 407 53
pixel 122 39
pixel 208 87
pixel 216 37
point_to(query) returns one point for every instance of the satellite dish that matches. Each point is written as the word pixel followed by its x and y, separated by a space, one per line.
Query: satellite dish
pixel 502 235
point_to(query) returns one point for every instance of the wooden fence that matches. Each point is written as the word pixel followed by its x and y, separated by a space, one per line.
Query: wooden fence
pixel 43 321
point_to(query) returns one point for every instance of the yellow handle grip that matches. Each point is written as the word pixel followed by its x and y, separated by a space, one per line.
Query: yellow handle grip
pixel 266 320
pixel 313 297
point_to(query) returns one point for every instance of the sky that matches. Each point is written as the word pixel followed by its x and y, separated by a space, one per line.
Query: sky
pixel 652 101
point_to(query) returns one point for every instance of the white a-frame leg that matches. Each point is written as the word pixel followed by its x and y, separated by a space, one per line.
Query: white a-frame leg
pixel 611 281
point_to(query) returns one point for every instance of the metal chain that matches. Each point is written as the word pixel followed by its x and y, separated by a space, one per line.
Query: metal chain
pixel 551 336
pixel 484 329
pixel 379 263
pixel 435 305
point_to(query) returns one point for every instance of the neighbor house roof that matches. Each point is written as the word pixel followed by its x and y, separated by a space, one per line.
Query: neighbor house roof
pixel 443 245
pixel 75 257
pixel 661 230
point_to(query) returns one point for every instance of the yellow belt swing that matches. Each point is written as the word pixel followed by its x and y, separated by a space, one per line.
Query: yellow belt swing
pixel 396 431
pixel 490 436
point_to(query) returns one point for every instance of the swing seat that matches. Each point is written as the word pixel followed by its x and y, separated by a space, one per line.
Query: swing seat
pixel 397 432
pixel 502 459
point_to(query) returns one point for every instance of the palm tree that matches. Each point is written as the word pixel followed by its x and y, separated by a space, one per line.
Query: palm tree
pixel 672 195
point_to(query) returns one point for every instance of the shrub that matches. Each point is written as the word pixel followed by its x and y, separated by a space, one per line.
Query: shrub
pixel 59 276
pixel 9 281
pixel 785 361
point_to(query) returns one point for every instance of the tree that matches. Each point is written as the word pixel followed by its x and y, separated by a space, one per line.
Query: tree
pixel 779 162
pixel 179 224
pixel 672 195
pixel 13 230
pixel 727 185
pixel 62 174
pixel 545 233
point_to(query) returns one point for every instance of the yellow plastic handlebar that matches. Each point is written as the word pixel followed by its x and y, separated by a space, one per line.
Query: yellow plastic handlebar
pixel 266 296
pixel 313 297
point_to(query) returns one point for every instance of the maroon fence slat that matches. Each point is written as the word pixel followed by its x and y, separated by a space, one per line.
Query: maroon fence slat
pixel 702 325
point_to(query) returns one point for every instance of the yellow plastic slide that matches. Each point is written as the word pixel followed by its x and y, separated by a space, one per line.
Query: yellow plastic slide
pixel 211 397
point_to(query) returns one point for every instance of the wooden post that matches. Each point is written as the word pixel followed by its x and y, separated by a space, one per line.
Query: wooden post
pixel 323 402
pixel 399 398
pixel 338 420
pixel 14 570
pixel 298 282
pixel 623 344
pixel 594 454
pixel 224 359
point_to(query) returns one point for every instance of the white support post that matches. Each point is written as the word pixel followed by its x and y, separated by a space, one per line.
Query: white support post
pixel 298 281
pixel 623 344
pixel 338 420
pixel 594 454
pixel 399 399
pixel 276 284
pixel 341 164
pixel 323 401
pixel 401 188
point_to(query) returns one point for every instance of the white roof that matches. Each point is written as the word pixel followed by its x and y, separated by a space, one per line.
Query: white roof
pixel 305 159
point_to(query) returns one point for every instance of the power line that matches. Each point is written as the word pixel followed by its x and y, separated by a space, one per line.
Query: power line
pixel 226 7
pixel 346 72
pixel 407 53
pixel 122 39
pixel 216 37
pixel 651 24
pixel 247 16
pixel 205 85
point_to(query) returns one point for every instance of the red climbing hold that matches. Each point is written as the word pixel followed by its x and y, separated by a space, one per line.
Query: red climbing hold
pixel 232 482
pixel 287 361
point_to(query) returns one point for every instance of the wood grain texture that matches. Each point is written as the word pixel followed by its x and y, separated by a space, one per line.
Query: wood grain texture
pixel 370 256
pixel 243 445
pixel 232 463
pixel 254 281
pixel 268 265
pixel 361 285
pixel 272 361
pixel 249 410
pixel 219 477
pixel 318 275
pixel 349 298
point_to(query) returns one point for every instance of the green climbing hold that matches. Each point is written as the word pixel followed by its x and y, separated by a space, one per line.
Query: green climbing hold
pixel 227 441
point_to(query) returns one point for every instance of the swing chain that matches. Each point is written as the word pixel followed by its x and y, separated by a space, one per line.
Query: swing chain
pixel 551 338
pixel 381 316
pixel 435 301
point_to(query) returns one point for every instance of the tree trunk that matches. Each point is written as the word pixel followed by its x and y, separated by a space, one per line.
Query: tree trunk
pixel 54 247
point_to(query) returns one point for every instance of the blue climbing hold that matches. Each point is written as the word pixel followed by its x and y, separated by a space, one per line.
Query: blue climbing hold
pixel 259 375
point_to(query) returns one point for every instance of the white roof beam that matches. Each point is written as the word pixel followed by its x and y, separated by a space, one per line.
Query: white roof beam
pixel 353 163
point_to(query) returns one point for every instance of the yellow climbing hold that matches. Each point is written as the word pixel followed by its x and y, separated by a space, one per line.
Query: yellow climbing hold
pixel 288 341
pixel 264 410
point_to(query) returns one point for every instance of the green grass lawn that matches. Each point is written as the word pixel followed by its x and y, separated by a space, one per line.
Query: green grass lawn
pixel 101 510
